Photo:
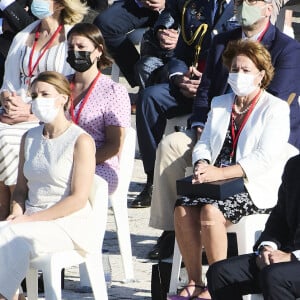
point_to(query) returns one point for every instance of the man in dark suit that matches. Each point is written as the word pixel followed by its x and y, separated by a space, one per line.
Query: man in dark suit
pixel 274 270
pixel 285 53
pixel 15 16
pixel 117 21
pixel 174 155
pixel 199 20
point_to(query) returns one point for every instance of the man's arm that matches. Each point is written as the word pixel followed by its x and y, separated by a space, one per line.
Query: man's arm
pixel 17 16
pixel 283 225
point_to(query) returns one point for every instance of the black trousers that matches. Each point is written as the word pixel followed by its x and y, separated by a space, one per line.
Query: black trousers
pixel 154 106
pixel 231 278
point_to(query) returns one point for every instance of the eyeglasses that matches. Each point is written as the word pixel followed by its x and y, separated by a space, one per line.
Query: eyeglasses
pixel 249 2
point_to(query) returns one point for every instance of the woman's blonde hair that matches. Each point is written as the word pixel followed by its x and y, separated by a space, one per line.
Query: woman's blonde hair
pixel 256 52
pixel 58 81
pixel 73 11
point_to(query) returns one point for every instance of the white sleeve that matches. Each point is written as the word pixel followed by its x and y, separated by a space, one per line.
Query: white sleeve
pixel 5 3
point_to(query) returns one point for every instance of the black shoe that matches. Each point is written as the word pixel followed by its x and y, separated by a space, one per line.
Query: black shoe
pixel 164 246
pixel 144 198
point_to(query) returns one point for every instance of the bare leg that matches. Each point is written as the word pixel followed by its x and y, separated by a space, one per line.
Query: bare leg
pixel 214 236
pixel 21 297
pixel 4 201
pixel 188 235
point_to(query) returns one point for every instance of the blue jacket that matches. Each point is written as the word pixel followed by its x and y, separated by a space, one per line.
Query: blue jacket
pixel 205 11
pixel 285 53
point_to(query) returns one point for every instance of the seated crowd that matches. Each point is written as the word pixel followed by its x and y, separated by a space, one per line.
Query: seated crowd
pixel 222 64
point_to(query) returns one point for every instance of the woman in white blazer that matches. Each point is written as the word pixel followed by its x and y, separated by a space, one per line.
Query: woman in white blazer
pixel 246 135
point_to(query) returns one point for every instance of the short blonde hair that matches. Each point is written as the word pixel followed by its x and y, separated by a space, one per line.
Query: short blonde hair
pixel 73 11
pixel 256 52
pixel 58 81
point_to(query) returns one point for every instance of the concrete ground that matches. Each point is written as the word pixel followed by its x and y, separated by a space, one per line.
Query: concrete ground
pixel 142 239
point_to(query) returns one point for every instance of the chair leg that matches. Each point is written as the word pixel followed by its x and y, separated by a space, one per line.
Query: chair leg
pixel 52 281
pixel 177 258
pixel 94 267
pixel 121 219
pixel 32 284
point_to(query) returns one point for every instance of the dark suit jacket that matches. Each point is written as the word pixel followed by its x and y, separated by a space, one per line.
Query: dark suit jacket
pixel 18 18
pixel 285 53
pixel 183 53
pixel 283 225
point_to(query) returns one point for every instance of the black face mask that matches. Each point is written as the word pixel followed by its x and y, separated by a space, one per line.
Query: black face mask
pixel 80 61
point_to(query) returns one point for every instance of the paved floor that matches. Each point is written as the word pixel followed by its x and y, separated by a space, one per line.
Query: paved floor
pixel 142 239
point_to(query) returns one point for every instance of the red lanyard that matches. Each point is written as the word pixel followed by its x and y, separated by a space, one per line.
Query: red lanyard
pixel 263 33
pixel 49 43
pixel 75 119
pixel 235 136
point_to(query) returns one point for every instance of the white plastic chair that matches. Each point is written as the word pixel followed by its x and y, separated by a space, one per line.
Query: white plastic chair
pixel 247 231
pixel 52 264
pixel 118 202
pixel 135 37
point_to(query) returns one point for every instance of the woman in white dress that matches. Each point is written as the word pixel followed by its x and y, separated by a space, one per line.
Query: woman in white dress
pixel 50 207
pixel 42 46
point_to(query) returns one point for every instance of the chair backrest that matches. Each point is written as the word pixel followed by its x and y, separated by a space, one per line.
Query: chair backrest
pixel 98 198
pixel 126 161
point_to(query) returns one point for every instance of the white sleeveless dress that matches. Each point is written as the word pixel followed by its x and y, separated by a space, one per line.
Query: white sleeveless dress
pixel 48 169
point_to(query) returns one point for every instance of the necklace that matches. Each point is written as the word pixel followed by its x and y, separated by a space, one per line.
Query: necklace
pixel 241 112
pixel 58 133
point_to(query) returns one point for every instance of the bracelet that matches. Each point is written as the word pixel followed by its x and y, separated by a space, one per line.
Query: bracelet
pixel 201 160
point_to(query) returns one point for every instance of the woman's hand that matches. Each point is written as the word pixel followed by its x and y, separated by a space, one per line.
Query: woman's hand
pixel 203 172
pixel 15 109
pixel 19 219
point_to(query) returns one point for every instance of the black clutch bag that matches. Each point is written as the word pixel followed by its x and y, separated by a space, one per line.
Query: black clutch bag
pixel 218 190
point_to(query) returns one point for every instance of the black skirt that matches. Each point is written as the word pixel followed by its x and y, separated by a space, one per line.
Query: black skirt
pixel 234 207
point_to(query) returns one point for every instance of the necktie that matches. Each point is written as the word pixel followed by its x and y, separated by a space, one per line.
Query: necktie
pixel 219 10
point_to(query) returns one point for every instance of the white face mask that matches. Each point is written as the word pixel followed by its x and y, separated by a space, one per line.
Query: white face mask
pixel 242 84
pixel 45 109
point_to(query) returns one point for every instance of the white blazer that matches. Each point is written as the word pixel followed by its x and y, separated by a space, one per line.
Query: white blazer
pixel 262 148
pixel 11 80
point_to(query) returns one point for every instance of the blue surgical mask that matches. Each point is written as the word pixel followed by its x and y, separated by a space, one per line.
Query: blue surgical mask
pixel 41 9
